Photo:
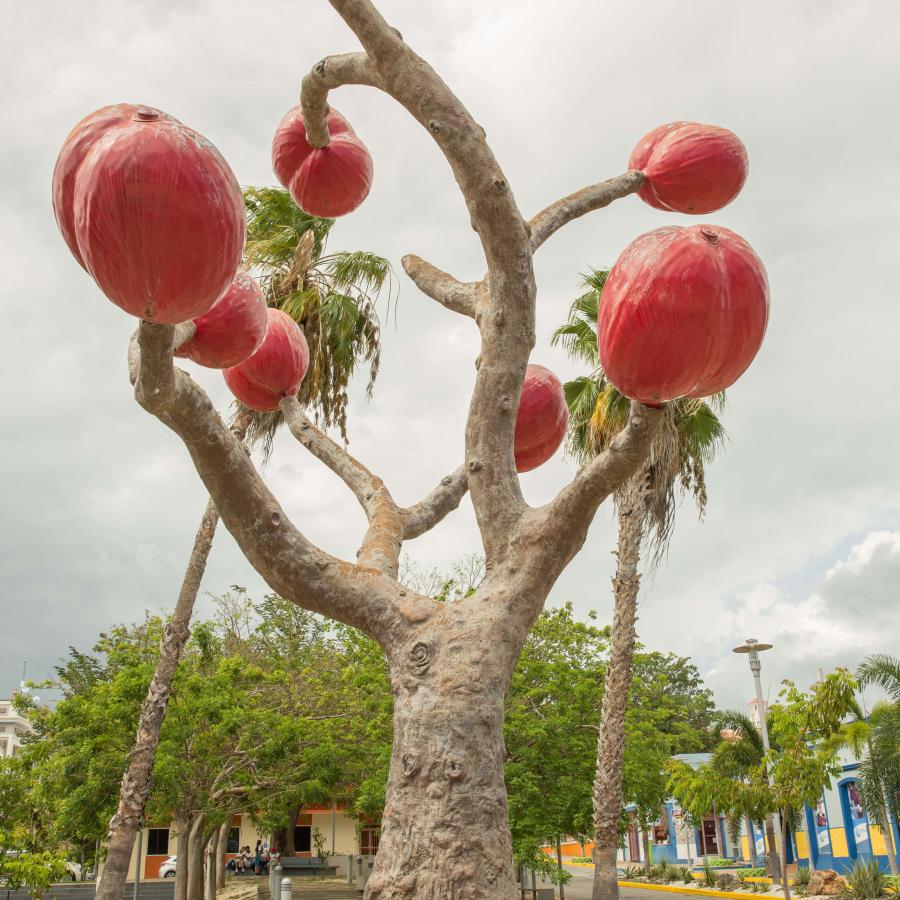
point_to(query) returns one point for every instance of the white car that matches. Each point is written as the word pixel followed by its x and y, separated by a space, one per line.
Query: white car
pixel 167 868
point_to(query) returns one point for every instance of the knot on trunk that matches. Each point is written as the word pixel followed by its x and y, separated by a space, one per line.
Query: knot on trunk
pixel 411 764
pixel 453 768
pixel 420 657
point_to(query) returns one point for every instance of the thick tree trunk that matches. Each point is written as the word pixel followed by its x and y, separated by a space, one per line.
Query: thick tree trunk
pixel 136 782
pixel 645 840
pixel 212 852
pixel 445 828
pixel 773 865
pixel 611 741
pixel 221 849
pixel 196 845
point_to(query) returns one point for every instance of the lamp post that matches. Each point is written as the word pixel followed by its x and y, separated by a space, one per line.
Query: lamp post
pixel 753 648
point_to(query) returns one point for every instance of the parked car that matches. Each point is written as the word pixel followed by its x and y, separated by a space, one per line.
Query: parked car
pixel 167 868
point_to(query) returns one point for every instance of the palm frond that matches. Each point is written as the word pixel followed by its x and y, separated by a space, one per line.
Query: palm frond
pixel 332 297
pixel 883 670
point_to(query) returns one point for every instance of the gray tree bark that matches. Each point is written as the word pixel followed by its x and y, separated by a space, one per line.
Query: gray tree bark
pixel 212 855
pixel 183 825
pixel 631 506
pixel 221 849
pixel 195 847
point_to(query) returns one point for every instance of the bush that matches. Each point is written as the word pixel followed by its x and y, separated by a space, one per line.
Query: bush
pixel 866 880
pixel 581 859
pixel 632 872
pixel 726 882
pixel 685 874
pixel 708 878
pixel 801 879
pixel 893 882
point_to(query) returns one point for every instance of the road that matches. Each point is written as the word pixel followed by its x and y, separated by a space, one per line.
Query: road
pixel 579 888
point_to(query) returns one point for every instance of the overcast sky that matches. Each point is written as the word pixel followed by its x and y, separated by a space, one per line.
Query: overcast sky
pixel 801 543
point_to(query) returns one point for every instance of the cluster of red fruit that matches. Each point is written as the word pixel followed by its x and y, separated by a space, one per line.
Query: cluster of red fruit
pixel 154 214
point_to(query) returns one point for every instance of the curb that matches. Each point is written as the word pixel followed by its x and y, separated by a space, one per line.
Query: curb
pixel 735 895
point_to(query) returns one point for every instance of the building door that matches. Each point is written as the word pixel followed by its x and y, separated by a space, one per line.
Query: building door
pixel 634 843
pixel 709 843
pixel 856 822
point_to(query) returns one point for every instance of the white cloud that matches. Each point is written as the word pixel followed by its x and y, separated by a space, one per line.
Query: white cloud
pixel 100 501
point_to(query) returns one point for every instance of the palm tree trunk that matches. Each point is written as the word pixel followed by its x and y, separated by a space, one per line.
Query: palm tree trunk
pixel 889 839
pixel 135 786
pixel 136 781
pixel 631 505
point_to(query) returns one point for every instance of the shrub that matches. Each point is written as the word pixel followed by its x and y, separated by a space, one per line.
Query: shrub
pixel 582 859
pixel 685 874
pixel 726 882
pixel 708 878
pixel 632 872
pixel 866 880
pixel 801 879
pixel 893 884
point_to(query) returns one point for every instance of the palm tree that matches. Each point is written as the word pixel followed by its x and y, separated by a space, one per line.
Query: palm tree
pixel 737 758
pixel 332 297
pixel 687 441
pixel 875 740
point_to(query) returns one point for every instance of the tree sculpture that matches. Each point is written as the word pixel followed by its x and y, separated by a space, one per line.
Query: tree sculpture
pixel 444 830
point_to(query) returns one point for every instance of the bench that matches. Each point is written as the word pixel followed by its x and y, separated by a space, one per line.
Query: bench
pixel 304 865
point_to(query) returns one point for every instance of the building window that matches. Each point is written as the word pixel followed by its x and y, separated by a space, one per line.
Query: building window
pixel 303 839
pixel 157 842
pixel 368 841
pixel 233 844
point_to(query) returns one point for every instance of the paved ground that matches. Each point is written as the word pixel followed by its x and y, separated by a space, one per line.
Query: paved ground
pixel 579 888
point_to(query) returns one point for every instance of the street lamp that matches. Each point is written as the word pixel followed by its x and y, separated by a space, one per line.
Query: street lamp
pixel 753 648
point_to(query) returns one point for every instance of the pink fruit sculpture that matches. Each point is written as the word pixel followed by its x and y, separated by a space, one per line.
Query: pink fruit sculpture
pixel 324 181
pixel 276 369
pixel 683 313
pixel 151 210
pixel 541 420
pixel 233 329
pixel 690 168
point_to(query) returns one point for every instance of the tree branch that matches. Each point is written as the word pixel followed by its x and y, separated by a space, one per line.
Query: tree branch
pixel 458 296
pixel 578 501
pixel 428 512
pixel 548 221
pixel 288 561
pixel 327 74
pixel 507 334
pixel 380 548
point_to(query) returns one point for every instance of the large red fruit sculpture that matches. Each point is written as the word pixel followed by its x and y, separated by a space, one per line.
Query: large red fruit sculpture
pixel 541 420
pixel 324 181
pixel 151 210
pixel 690 168
pixel 683 313
pixel 276 369
pixel 233 329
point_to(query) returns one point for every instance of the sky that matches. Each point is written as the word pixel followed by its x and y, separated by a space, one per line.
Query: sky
pixel 800 546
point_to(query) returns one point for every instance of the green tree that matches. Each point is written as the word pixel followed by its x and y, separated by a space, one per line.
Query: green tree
pixel 332 297
pixel 645 504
